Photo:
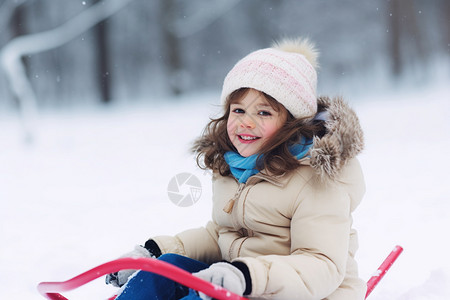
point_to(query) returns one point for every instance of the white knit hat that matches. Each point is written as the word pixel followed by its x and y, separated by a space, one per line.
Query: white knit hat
pixel 286 72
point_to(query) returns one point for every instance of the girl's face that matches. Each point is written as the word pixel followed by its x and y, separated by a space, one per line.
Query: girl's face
pixel 253 121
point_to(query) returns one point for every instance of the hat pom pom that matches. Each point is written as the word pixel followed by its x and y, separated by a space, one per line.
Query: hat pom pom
pixel 299 45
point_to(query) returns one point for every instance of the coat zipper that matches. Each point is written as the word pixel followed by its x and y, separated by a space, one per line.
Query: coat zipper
pixel 229 206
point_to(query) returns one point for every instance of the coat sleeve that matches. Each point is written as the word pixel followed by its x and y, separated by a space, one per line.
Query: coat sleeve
pixel 199 243
pixel 320 230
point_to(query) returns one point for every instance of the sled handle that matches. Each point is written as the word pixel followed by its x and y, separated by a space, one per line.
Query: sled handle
pixel 383 268
pixel 51 290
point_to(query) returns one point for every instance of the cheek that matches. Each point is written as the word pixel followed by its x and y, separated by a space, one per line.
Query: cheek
pixel 231 128
pixel 271 128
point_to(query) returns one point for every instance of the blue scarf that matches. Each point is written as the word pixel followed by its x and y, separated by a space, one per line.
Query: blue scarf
pixel 244 167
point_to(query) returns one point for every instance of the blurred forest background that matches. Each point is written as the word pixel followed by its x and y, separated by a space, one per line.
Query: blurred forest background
pixel 74 53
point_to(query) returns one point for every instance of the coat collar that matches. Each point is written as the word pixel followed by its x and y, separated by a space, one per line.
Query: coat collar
pixel 343 140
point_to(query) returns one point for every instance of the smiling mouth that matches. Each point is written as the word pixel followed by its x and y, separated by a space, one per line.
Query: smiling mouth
pixel 247 138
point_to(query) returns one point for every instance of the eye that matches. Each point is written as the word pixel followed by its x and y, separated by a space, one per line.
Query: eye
pixel 238 110
pixel 264 113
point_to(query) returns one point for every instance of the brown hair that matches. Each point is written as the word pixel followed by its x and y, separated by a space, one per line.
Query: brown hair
pixel 275 156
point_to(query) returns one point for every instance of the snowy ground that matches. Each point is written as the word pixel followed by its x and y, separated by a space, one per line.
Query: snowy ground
pixel 94 184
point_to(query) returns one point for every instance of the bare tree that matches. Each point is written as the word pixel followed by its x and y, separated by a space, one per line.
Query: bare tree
pixel 445 17
pixel 394 22
pixel 200 16
pixel 17 25
pixel 8 9
pixel 264 30
pixel 103 67
pixel 406 38
pixel 11 54
pixel 175 28
pixel 171 45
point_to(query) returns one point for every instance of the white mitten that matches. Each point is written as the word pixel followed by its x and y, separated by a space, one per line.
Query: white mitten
pixel 225 275
pixel 120 278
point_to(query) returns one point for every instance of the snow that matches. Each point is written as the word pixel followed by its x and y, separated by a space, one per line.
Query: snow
pixel 94 184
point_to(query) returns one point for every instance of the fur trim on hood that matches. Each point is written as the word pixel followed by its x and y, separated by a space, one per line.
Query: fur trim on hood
pixel 344 139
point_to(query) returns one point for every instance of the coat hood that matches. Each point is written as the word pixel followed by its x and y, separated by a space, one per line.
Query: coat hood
pixel 343 140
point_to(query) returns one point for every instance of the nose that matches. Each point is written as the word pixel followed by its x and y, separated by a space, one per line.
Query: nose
pixel 247 122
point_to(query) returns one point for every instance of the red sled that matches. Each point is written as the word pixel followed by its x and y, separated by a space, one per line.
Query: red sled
pixel 51 290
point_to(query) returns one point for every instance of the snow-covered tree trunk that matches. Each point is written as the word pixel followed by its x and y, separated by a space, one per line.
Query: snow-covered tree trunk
pixel 11 54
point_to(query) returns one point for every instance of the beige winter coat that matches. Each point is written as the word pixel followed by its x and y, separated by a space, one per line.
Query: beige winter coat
pixel 294 232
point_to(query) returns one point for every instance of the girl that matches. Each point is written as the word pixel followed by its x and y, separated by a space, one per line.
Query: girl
pixel 285 183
